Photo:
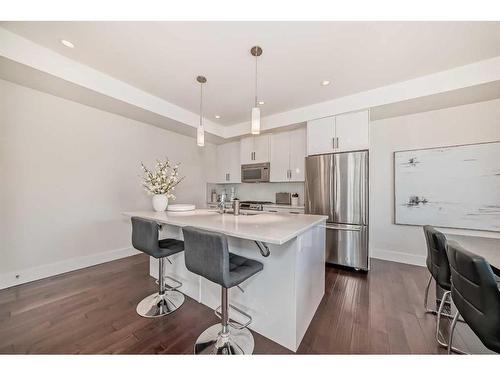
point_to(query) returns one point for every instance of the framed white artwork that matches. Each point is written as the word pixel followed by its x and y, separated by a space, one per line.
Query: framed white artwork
pixel 455 186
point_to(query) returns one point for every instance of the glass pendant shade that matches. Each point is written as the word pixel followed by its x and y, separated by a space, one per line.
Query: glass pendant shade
pixel 255 120
pixel 200 136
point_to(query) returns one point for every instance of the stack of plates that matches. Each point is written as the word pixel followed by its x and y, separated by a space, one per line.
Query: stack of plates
pixel 181 207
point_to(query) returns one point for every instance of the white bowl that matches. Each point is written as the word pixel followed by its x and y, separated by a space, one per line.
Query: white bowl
pixel 181 207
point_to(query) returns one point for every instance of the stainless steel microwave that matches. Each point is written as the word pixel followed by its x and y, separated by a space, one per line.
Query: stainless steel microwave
pixel 255 172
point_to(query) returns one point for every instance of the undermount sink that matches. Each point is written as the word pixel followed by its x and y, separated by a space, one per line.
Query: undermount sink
pixel 242 213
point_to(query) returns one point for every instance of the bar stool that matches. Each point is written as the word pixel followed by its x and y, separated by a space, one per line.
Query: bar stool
pixel 207 254
pixel 145 239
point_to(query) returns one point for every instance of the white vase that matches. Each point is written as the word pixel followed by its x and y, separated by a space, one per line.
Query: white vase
pixel 160 202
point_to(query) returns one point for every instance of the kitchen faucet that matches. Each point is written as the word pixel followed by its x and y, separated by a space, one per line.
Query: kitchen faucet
pixel 222 203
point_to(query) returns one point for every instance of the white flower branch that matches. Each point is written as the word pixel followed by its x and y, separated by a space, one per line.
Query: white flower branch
pixel 163 179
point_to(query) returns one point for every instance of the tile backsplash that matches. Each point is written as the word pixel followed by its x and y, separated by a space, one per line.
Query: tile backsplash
pixel 265 191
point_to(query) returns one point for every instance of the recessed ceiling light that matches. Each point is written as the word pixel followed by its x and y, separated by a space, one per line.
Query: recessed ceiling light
pixel 262 102
pixel 217 117
pixel 325 82
pixel 67 43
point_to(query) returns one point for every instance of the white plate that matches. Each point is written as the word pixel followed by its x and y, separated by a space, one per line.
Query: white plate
pixel 181 207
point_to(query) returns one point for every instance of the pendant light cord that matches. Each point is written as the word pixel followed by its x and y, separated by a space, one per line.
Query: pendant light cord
pixel 201 104
pixel 256 81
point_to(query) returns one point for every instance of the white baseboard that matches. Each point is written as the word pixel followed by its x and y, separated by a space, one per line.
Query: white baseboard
pixel 396 256
pixel 47 270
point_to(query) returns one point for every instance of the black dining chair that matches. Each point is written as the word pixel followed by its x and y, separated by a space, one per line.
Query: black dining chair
pixel 439 269
pixel 476 295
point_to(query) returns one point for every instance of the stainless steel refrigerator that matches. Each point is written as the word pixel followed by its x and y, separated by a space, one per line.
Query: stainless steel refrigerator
pixel 337 186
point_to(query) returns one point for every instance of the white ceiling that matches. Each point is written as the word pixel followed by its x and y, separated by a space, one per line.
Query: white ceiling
pixel 164 58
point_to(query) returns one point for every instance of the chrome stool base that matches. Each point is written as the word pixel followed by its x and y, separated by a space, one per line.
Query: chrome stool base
pixel 213 341
pixel 156 305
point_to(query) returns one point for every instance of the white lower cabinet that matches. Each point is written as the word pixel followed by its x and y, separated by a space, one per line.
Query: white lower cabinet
pixel 228 163
pixel 288 152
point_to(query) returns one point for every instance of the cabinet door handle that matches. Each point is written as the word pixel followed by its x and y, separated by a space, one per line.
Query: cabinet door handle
pixel 337 142
pixel 333 143
pixel 228 176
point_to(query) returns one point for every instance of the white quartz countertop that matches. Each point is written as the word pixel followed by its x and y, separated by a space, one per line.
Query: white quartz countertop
pixel 269 227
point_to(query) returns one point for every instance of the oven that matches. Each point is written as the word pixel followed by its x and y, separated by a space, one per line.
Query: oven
pixel 255 172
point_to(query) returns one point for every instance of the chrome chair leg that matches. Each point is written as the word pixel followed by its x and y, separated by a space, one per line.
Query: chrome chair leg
pixel 438 319
pixel 452 327
pixel 426 296
pixel 221 338
pixel 163 302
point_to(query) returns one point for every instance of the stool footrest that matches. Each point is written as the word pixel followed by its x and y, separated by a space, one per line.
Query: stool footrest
pixel 177 285
pixel 233 323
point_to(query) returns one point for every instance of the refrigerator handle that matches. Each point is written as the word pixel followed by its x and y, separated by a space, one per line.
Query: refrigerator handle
pixel 353 228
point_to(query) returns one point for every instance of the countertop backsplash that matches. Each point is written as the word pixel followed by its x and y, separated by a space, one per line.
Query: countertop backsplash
pixel 265 191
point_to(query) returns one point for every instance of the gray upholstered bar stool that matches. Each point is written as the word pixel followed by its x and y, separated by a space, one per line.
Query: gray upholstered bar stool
pixel 207 254
pixel 145 238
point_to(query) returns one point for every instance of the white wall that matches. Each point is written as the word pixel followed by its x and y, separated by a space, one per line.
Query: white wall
pixel 473 123
pixel 67 171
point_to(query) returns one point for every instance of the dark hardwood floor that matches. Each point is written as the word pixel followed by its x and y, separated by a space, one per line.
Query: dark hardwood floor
pixel 93 311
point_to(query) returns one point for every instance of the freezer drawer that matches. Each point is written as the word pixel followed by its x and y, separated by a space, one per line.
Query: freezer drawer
pixel 347 245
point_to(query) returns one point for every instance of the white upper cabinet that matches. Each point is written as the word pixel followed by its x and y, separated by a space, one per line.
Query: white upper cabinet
pixel 255 149
pixel 345 132
pixel 288 152
pixel 297 154
pixel 280 157
pixel 228 163
pixel 320 136
pixel 352 131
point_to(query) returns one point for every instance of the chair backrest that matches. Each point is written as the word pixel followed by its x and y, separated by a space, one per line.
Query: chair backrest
pixel 475 294
pixel 145 236
pixel 437 260
pixel 207 254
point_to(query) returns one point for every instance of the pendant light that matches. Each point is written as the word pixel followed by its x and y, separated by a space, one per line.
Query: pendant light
pixel 200 132
pixel 255 129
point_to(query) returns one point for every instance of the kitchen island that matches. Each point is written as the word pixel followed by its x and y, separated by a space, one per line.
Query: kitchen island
pixel 281 299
